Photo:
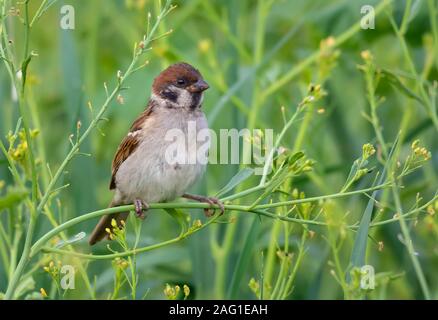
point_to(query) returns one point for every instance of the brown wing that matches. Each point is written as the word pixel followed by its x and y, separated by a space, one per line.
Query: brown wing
pixel 129 144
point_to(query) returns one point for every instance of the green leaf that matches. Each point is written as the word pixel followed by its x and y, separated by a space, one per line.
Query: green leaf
pixel 13 197
pixel 287 159
pixel 241 176
pixel 25 285
pixel 244 259
pixel 75 238
pixel 360 243
pixel 276 182
pixel 34 295
pixel 283 173
pixel 397 83
pixel 180 217
pixel 292 159
pixel 418 129
pixel 415 9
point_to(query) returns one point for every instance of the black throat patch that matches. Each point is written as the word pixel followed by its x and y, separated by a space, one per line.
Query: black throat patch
pixel 196 98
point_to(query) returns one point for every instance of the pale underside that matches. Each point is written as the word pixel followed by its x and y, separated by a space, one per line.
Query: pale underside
pixel 147 174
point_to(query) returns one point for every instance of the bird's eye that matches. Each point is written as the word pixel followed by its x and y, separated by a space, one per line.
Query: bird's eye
pixel 181 82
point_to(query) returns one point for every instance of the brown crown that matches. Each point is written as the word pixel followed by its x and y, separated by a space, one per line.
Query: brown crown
pixel 173 73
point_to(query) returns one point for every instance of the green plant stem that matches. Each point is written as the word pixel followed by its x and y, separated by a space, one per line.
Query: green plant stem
pixel 13 283
pixel 286 258
pixel 270 257
pixel 244 193
pixel 13 168
pixel 406 214
pixel 419 82
pixel 338 266
pixel 38 13
pixel 271 253
pixel 284 268
pixel 40 243
pixel 433 14
pixel 14 251
pixel 395 192
pixel 36 209
pixel 314 56
pixel 39 141
pixel 33 213
pixel 405 19
pixel 228 246
pixel 133 251
pixel 270 158
pixel 4 249
pixel 81 269
pixel 320 198
pixel 5 52
pixel 301 251
pixel 73 151
pixel 109 99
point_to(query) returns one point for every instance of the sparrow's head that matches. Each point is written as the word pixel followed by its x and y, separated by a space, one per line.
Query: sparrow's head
pixel 180 85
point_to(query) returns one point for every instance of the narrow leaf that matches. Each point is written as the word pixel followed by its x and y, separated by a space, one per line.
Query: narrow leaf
pixel 13 197
pixel 244 259
pixel 75 238
pixel 241 176
pixel 360 243
pixel 180 217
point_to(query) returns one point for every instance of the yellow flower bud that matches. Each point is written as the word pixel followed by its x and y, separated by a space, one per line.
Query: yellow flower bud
pixel 366 55
pixel 197 223
pixel 204 45
pixel 186 290
pixel 43 293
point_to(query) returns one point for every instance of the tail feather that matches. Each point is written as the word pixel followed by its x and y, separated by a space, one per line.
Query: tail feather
pixel 99 231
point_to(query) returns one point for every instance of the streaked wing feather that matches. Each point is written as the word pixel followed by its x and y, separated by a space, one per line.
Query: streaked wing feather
pixel 129 143
pixel 126 148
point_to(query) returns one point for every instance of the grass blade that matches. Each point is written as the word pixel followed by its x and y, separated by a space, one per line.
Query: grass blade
pixel 241 176
pixel 243 259
pixel 360 244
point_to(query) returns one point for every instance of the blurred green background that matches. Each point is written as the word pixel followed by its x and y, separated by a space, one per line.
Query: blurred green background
pixel 256 42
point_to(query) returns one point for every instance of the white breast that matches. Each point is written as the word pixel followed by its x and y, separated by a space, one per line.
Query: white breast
pixel 147 174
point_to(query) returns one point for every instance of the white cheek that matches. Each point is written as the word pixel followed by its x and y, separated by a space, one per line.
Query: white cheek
pixel 159 100
pixel 184 98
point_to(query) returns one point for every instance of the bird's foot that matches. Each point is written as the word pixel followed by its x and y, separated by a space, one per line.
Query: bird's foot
pixel 210 200
pixel 140 207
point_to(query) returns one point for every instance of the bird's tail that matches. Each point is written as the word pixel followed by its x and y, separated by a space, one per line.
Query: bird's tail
pixel 99 231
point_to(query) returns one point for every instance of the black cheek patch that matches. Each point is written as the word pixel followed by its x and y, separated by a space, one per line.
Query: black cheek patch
pixel 169 95
pixel 196 98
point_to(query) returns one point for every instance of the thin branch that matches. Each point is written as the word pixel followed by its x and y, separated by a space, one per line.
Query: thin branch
pixel 40 244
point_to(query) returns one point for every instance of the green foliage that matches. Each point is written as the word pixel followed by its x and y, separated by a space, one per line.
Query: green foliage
pixel 354 177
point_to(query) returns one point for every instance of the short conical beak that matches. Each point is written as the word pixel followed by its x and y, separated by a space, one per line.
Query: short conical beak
pixel 198 86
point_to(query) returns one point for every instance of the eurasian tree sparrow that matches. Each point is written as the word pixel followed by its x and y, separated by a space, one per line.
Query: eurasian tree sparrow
pixel 140 172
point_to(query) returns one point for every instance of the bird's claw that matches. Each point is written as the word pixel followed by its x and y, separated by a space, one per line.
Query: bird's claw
pixel 140 207
pixel 213 201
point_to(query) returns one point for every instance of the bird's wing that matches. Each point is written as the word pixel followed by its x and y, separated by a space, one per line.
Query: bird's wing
pixel 129 144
